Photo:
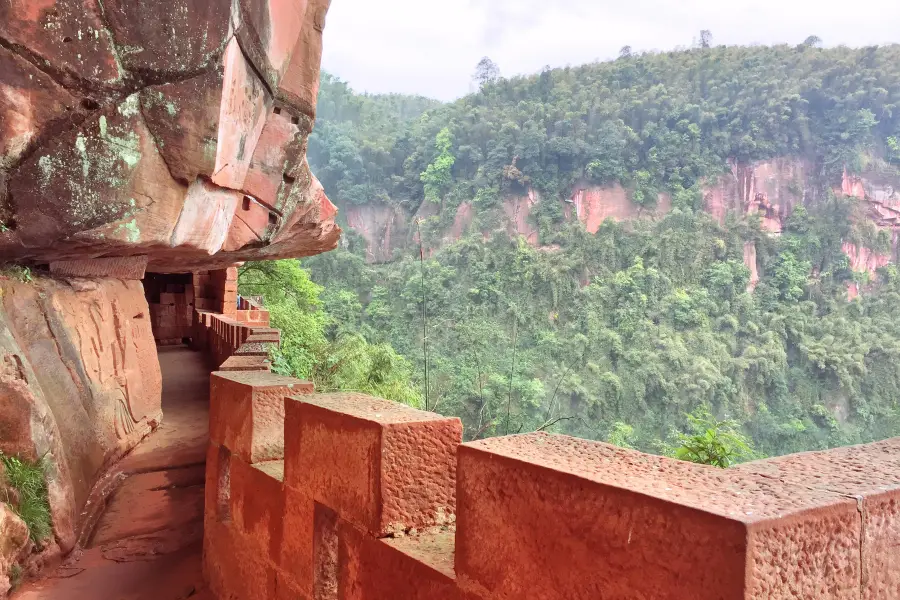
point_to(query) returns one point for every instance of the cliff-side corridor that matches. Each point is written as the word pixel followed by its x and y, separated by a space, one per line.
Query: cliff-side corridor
pixel 147 540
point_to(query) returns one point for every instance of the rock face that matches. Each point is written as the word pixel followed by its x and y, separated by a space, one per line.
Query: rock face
pixel 175 130
pixel 79 382
pixel 770 188
pixel 378 224
pixel 595 204
pixel 14 543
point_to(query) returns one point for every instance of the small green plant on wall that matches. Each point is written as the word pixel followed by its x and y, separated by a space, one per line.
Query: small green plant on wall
pixel 25 492
pixel 713 442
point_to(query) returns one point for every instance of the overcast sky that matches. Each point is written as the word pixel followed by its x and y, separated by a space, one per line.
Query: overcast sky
pixel 431 47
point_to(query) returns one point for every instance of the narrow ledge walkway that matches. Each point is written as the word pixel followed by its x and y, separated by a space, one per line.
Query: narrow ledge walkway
pixel 147 544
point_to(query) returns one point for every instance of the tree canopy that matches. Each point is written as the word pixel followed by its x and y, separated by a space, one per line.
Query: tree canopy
pixel 646 333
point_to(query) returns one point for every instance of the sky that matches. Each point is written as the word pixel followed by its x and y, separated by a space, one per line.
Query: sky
pixel 431 47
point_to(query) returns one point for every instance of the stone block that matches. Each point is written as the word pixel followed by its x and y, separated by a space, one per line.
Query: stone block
pixel 233 568
pixel 544 516
pixel 272 338
pixel 294 547
pixel 880 551
pixel 257 504
pixel 381 465
pixel 246 363
pixel 325 553
pixel 260 349
pixel 214 463
pixel 869 473
pixel 412 567
pixel 246 413
pixel 286 588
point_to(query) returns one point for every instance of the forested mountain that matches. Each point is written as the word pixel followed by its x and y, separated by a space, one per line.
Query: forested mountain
pixel 610 249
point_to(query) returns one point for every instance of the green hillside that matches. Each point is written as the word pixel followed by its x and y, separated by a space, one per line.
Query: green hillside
pixel 624 334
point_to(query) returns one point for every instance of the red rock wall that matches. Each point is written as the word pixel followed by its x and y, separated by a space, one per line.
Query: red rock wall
pixel 79 382
pixel 771 188
pixel 126 131
pixel 880 195
pixel 381 226
pixel 595 204
pixel 345 496
pixel 750 263
pixel 518 216
pixel 863 259
pixel 461 222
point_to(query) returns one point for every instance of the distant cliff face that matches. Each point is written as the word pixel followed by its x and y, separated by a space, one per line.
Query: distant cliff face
pixel 175 129
pixel 772 189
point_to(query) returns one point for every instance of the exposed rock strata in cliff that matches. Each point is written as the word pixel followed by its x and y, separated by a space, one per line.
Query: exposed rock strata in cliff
pixel 771 189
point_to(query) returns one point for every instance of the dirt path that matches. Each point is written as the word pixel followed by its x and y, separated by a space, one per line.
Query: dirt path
pixel 147 544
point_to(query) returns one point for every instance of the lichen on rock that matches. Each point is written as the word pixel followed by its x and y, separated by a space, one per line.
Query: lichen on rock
pixel 108 137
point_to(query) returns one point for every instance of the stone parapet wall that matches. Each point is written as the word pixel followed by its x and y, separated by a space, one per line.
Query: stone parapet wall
pixel 251 313
pixel 232 345
pixel 343 496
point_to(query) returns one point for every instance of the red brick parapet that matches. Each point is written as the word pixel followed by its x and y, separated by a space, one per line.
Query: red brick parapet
pixel 343 496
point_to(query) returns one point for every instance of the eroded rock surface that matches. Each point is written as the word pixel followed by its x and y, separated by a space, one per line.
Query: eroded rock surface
pixel 79 382
pixel 13 543
pixel 175 130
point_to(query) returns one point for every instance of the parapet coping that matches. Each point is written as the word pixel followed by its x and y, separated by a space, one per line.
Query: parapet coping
pixel 370 408
pixel 261 379
pixel 434 548
pixel 739 495
pixel 272 468
pixel 862 470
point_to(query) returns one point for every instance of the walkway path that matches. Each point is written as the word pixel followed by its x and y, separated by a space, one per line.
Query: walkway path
pixel 147 544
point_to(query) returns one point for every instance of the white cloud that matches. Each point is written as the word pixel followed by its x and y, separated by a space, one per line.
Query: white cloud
pixel 431 48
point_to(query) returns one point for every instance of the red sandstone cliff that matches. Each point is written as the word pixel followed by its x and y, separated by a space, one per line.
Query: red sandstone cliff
pixel 771 189
pixel 161 137
pixel 121 136
pixel 79 382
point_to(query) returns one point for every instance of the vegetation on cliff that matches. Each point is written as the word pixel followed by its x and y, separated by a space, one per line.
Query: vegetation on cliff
pixel 319 347
pixel 650 121
pixel 25 492
pixel 646 329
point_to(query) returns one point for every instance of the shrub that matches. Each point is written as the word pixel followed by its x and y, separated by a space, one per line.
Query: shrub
pixel 33 505
pixel 713 442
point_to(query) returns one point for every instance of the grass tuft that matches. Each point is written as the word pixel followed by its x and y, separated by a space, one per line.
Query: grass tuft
pixel 33 506
pixel 17 272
